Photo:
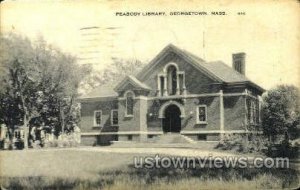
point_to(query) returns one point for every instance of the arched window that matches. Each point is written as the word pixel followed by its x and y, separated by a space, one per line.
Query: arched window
pixel 129 103
pixel 171 80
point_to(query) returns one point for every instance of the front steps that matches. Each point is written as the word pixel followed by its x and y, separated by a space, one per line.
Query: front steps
pixel 169 140
pixel 172 138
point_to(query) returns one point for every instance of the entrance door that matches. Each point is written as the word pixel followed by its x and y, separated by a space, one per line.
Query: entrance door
pixel 172 120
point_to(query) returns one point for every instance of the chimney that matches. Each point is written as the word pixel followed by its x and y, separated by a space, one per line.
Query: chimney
pixel 238 62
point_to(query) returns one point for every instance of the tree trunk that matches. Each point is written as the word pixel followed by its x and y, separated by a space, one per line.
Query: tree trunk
pixel 25 122
pixel 25 132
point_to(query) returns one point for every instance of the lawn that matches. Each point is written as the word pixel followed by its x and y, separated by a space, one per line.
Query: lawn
pixel 106 168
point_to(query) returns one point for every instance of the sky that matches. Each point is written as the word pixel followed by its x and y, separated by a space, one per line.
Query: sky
pixel 268 32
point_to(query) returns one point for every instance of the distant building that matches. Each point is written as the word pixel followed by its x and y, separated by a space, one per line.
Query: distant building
pixel 177 92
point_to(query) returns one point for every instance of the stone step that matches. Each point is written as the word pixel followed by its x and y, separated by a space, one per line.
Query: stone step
pixel 171 138
pixel 189 139
pixel 133 144
pixel 166 141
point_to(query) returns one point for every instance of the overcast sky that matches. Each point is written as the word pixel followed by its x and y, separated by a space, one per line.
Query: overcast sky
pixel 268 33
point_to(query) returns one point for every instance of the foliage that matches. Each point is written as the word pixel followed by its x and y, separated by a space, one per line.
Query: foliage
pixel 36 79
pixel 281 113
pixel 243 143
pixel 117 70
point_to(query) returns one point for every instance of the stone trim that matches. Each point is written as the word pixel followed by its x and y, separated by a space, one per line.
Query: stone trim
pixel 188 96
pixel 165 105
pixel 161 133
pixel 89 133
pixel 123 133
pixel 219 132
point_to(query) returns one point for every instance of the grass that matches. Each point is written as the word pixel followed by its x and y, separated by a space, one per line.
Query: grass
pixel 65 169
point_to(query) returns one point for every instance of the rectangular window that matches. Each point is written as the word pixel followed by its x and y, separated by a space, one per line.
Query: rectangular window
pixel 252 109
pixel 180 78
pixel 129 137
pixel 162 85
pixel 114 117
pixel 202 137
pixel 254 112
pixel 251 113
pixel 150 136
pixel 202 114
pixel 97 118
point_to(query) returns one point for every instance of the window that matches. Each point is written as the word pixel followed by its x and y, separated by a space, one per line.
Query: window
pixel 201 114
pixel 162 85
pixel 252 109
pixel 129 137
pixel 202 137
pixel 129 103
pixel 114 117
pixel 150 136
pixel 172 80
pixel 181 82
pixel 97 117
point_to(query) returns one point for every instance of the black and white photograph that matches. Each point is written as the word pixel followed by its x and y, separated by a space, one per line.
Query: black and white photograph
pixel 154 95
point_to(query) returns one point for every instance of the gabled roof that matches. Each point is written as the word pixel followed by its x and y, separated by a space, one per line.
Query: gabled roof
pixel 110 90
pixel 224 72
pixel 131 80
pixel 101 92
pixel 218 70
pixel 192 59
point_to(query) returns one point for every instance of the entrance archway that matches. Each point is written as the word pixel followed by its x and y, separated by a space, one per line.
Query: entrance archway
pixel 172 121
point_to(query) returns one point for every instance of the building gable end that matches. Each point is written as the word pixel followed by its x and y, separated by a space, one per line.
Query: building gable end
pixel 182 54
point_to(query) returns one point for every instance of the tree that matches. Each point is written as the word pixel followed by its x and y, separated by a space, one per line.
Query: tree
pixel 112 74
pixel 281 113
pixel 34 80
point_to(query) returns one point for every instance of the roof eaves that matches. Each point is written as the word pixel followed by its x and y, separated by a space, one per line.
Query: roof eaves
pixel 81 99
pixel 256 86
pixel 139 83
pixel 133 80
pixel 250 83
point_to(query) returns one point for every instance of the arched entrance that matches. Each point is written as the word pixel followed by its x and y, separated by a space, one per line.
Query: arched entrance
pixel 172 121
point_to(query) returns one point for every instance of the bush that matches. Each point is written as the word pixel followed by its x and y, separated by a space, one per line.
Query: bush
pixel 283 149
pixel 64 140
pixel 241 143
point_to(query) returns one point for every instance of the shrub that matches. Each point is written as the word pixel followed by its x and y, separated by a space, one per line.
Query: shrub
pixel 241 143
pixel 64 140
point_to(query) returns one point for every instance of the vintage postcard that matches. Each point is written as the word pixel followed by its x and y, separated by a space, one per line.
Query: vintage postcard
pixel 187 94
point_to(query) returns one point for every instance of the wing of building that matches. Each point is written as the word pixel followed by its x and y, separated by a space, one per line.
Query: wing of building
pixel 177 92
